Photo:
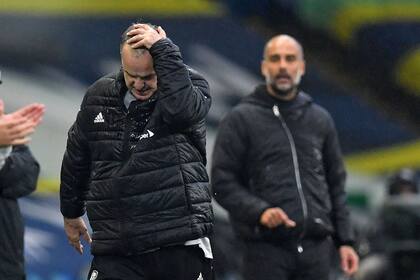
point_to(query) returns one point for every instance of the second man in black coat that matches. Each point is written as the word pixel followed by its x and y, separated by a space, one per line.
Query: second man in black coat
pixel 277 168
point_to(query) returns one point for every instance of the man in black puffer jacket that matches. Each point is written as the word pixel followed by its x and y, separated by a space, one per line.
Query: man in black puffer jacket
pixel 135 162
pixel 277 169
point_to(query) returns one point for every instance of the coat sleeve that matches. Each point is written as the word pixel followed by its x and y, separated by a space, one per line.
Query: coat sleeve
pixel 228 166
pixel 75 171
pixel 184 95
pixel 336 177
pixel 19 175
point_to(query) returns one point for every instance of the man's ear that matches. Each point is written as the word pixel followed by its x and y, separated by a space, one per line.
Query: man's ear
pixel 303 69
pixel 300 72
pixel 263 69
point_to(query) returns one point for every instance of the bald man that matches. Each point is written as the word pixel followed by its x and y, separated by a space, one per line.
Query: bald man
pixel 278 170
pixel 135 162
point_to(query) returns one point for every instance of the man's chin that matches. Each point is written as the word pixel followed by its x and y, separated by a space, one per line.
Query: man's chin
pixel 282 91
pixel 142 96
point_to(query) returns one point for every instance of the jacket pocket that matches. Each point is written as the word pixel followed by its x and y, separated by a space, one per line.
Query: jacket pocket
pixel 319 228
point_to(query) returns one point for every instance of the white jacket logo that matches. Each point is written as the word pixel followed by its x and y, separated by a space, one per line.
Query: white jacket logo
pixel 99 118
pixel 148 134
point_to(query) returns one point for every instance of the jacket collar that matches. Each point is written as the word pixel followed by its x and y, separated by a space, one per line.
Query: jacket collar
pixel 261 97
pixel 122 89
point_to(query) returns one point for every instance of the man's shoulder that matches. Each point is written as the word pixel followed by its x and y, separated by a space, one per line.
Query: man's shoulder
pixel 247 104
pixel 104 83
pixel 105 87
pixel 238 110
pixel 320 117
pixel 241 114
pixel 194 74
pixel 321 111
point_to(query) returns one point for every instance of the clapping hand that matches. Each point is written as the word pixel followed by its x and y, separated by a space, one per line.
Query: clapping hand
pixel 16 127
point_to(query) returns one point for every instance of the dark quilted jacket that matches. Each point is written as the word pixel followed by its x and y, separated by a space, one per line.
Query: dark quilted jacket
pixel 254 169
pixel 148 188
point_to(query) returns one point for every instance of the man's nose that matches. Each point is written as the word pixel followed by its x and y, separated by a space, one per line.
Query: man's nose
pixel 139 83
pixel 282 64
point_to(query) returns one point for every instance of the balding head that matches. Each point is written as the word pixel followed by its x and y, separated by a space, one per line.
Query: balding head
pixel 126 49
pixel 283 66
pixel 283 40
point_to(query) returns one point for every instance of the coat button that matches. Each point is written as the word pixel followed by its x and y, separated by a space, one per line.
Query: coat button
pixel 300 249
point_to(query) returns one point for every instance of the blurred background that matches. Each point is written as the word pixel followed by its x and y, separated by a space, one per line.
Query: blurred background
pixel 363 65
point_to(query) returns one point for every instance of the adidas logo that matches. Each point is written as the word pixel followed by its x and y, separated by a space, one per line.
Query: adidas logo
pixel 200 277
pixel 148 134
pixel 99 118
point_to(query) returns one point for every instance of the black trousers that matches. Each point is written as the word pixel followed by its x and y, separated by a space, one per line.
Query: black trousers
pixel 305 260
pixel 169 263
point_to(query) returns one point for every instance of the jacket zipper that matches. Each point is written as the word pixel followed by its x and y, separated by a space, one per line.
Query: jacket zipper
pixel 122 215
pixel 303 203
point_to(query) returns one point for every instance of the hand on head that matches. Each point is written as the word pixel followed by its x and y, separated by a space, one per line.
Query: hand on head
pixel 16 127
pixel 144 36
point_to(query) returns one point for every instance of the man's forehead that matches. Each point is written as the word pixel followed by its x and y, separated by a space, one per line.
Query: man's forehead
pixel 284 45
pixel 131 55
pixel 138 71
pixel 127 50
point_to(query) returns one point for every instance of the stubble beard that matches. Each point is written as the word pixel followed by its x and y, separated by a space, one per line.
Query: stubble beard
pixel 286 90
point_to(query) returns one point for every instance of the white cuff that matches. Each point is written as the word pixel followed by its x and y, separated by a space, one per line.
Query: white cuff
pixel 4 154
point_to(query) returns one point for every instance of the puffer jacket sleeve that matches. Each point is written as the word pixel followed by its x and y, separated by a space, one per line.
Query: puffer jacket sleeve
pixel 336 177
pixel 19 175
pixel 228 166
pixel 184 94
pixel 75 171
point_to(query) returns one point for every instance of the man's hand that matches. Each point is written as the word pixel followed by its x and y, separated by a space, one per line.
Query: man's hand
pixel 75 228
pixel 143 35
pixel 273 217
pixel 349 260
pixel 16 127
